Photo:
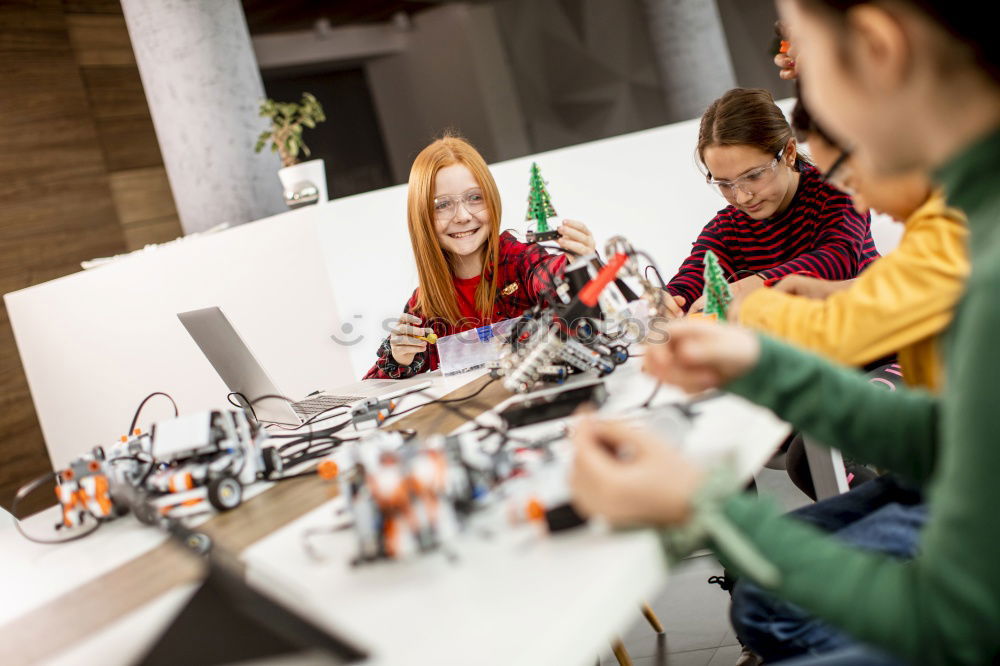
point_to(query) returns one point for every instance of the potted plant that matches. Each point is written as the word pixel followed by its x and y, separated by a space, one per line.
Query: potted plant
pixel 303 182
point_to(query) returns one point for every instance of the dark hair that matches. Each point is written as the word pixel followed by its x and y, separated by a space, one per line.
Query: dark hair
pixel 804 124
pixel 744 117
pixel 965 21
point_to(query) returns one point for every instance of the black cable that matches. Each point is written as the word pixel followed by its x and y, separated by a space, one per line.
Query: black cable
pixel 135 458
pixel 313 433
pixel 284 426
pixel 455 410
pixel 138 411
pixel 295 461
pixel 441 401
pixel 229 398
pixel 29 488
pixel 735 275
pixel 297 475
pixel 650 263
pixel 291 426
pixel 149 470
pixel 656 271
pixel 649 400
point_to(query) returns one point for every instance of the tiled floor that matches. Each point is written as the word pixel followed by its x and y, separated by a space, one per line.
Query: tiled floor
pixel 694 613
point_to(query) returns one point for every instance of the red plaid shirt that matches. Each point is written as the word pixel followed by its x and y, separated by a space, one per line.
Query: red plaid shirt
pixel 525 275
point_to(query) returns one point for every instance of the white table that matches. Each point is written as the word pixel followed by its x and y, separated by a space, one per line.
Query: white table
pixel 517 597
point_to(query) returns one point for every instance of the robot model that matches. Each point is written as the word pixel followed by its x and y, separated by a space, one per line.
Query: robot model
pixel 87 486
pixel 591 326
pixel 571 335
pixel 408 497
pixel 83 489
pixel 178 469
pixel 202 459
pixel 399 494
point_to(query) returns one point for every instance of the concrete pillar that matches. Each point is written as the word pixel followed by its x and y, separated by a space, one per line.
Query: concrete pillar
pixel 692 54
pixel 203 88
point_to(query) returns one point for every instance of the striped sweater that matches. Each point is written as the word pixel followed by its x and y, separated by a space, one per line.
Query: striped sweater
pixel 819 233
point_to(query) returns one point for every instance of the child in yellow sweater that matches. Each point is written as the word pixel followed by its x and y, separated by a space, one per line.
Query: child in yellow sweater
pixel 898 304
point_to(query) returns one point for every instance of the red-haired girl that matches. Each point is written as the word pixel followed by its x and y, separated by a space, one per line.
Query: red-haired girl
pixel 470 274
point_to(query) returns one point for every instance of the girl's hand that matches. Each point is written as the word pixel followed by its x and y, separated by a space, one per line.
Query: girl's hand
pixel 403 341
pixel 575 238
pixel 698 305
pixel 750 283
pixel 739 289
pixel 701 355
pixel 628 476
pixel 810 287
pixel 674 305
pixel 786 64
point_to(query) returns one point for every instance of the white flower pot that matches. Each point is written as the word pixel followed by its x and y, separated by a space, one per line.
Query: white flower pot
pixel 304 183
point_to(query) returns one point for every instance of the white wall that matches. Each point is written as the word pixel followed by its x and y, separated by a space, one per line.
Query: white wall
pixel 453 73
pixel 94 343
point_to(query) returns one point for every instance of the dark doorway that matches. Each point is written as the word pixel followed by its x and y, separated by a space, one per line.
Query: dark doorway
pixel 350 140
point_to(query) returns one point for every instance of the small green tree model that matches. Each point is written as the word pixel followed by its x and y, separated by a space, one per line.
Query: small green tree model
pixel 717 293
pixel 287 121
pixel 539 206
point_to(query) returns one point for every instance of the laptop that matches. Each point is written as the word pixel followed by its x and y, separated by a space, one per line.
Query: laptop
pixel 236 364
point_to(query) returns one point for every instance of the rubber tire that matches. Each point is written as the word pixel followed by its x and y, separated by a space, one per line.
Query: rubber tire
pixel 225 493
pixel 145 513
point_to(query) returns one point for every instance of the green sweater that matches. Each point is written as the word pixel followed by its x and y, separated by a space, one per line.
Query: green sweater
pixel 944 606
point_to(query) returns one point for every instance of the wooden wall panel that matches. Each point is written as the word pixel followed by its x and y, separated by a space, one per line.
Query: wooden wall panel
pixel 56 203
pixel 129 143
pixel 99 39
pixel 139 185
pixel 114 91
pixel 145 206
pixel 92 7
pixel 142 194
pixel 81 176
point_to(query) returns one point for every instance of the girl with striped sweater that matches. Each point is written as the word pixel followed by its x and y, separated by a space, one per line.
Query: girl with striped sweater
pixel 782 218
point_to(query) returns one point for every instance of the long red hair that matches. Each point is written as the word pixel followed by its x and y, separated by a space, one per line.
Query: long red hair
pixel 436 296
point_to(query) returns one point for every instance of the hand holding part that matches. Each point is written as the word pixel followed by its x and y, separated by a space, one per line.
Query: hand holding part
pixel 405 338
pixel 575 237
pixel 629 476
pixel 701 355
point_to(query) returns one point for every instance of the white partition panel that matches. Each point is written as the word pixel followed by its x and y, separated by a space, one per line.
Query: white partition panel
pixel 93 344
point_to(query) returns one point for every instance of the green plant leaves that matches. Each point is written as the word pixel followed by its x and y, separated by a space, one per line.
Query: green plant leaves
pixel 287 121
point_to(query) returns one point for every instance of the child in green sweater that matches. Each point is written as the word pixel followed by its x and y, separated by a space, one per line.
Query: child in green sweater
pixel 933 106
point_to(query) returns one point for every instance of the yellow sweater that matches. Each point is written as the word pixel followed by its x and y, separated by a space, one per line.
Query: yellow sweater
pixel 899 304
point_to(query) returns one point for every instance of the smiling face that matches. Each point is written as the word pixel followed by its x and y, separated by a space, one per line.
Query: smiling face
pixel 766 192
pixel 462 236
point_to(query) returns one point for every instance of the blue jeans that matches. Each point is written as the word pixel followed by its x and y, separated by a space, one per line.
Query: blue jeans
pixel 856 655
pixel 882 515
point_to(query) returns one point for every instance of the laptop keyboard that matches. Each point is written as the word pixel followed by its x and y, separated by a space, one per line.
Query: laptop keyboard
pixel 321 403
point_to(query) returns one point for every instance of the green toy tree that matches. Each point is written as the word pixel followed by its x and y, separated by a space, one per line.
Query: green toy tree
pixel 717 293
pixel 539 205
